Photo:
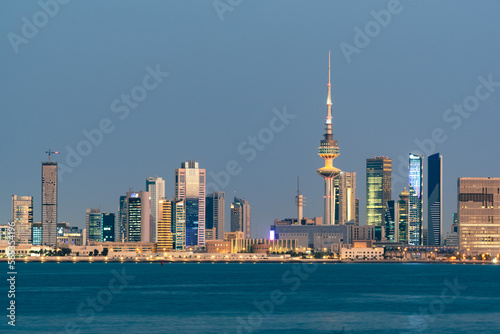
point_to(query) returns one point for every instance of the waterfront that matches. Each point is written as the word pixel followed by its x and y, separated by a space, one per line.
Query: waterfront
pixel 256 298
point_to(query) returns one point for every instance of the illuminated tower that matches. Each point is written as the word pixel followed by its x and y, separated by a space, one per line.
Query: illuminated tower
pixel 329 151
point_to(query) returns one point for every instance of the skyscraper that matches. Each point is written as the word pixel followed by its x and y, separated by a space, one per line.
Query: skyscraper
pixel 165 236
pixel 329 150
pixel 156 188
pixel 121 222
pixel 391 221
pixel 138 217
pixel 347 197
pixel 108 227
pixel 22 216
pixel 179 221
pixel 49 203
pixel 378 189
pixel 403 209
pixel 434 199
pixel 215 217
pixel 479 215
pixel 241 217
pixel 416 184
pixel 93 224
pixel 190 185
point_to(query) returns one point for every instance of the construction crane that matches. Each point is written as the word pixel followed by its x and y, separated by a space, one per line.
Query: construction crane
pixel 49 152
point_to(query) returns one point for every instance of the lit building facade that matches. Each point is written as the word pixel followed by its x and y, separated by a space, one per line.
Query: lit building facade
pixel 49 203
pixel 22 216
pixel 164 235
pixel 479 215
pixel 156 188
pixel 391 221
pixel 190 185
pixel 138 217
pixel 241 217
pixel 346 209
pixel 179 221
pixel 378 189
pixel 215 217
pixel 434 199
pixel 108 224
pixel 416 185
pixel 121 221
pixel 93 224
pixel 403 216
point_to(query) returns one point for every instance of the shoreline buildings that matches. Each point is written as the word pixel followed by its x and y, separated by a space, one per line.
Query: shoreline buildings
pixel 22 216
pixel 416 208
pixel 378 191
pixel 241 217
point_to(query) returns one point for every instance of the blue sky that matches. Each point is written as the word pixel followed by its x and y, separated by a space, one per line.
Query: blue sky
pixel 225 78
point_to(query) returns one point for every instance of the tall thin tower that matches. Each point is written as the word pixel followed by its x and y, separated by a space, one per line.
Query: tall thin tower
pixel 300 201
pixel 49 201
pixel 329 151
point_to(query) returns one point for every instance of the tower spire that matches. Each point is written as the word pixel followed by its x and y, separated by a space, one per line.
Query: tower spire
pixel 329 100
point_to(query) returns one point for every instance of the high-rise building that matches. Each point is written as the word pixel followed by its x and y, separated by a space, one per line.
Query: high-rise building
pixel 22 216
pixel 108 224
pixel 190 185
pixel 179 221
pixel 434 199
pixel 378 189
pixel 121 222
pixel 241 217
pixel 329 150
pixel 479 215
pixel 215 217
pixel 49 203
pixel 391 221
pixel 356 219
pixel 156 188
pixel 36 234
pixel 138 217
pixel 416 184
pixel 165 235
pixel 346 198
pixel 403 207
pixel 93 225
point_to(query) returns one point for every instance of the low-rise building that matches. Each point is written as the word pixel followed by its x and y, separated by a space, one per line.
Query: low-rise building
pixel 361 250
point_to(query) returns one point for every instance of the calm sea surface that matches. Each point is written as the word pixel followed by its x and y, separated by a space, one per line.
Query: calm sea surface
pixel 254 298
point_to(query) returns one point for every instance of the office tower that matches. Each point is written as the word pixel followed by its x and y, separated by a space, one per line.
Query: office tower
pixel 156 188
pixel 454 225
pixel 479 215
pixel 138 217
pixel 241 217
pixel 93 224
pixel 416 184
pixel 329 150
pixel 215 217
pixel 403 208
pixel 108 227
pixel 36 234
pixel 121 222
pixel 356 220
pixel 391 221
pixel 164 235
pixel 179 221
pixel 434 199
pixel 22 216
pixel 347 197
pixel 49 203
pixel 190 185
pixel 378 189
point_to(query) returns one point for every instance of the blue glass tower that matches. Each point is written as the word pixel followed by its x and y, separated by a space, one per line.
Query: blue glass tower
pixel 416 199
pixel 434 198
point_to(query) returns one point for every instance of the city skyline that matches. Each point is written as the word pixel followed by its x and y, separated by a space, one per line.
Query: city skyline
pixel 389 120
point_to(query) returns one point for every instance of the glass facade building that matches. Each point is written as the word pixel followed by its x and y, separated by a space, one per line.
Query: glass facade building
pixel 93 224
pixel 416 181
pixel 190 186
pixel 378 189
pixel 156 188
pixel 434 199
pixel 403 216
pixel 215 214
pixel 241 217
pixel 108 227
pixel 391 222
